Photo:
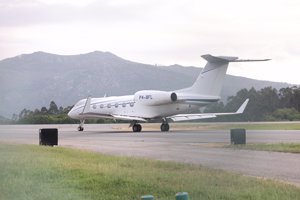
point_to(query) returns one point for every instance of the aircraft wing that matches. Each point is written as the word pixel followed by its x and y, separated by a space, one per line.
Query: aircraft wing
pixel 186 117
pixel 124 117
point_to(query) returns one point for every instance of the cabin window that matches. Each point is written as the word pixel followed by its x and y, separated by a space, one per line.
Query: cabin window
pixel 131 104
pixel 108 105
pixel 123 105
pixel 116 105
pixel 101 106
pixel 94 106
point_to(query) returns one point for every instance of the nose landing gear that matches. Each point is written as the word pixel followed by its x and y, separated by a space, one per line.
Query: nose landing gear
pixel 80 127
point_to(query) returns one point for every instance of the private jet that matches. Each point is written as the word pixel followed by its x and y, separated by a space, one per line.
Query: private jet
pixel 163 106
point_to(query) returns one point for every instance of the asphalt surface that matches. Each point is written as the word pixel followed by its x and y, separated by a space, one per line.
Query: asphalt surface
pixel 196 147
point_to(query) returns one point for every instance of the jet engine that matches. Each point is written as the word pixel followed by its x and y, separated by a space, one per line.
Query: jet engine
pixel 154 97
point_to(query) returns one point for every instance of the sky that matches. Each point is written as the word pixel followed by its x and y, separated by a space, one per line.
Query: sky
pixel 161 32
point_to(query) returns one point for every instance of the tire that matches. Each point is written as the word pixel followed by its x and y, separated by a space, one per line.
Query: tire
pixel 164 127
pixel 139 128
pixel 136 128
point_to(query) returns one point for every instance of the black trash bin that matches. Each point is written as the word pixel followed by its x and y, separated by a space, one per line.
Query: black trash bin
pixel 48 136
pixel 238 136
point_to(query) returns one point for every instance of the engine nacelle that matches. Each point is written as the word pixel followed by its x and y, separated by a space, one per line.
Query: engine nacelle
pixel 154 97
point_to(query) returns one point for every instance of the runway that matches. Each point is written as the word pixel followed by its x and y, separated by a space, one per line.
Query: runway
pixel 200 147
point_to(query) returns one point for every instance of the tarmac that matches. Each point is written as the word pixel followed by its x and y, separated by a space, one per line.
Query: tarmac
pixel 200 147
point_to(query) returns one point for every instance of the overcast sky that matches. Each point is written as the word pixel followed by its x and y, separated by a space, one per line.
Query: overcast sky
pixel 162 32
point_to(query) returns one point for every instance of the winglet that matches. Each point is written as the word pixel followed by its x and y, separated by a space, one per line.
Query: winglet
pixel 242 107
pixel 87 105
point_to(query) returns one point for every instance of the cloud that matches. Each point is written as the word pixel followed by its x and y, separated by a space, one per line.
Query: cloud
pixel 33 12
pixel 154 31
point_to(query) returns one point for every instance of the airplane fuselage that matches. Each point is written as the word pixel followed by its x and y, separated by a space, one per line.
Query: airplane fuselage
pixel 107 107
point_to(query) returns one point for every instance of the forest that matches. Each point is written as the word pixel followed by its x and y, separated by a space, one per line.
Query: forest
pixel 267 104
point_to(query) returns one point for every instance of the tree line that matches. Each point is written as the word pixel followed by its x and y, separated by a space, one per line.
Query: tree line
pixel 51 115
pixel 266 104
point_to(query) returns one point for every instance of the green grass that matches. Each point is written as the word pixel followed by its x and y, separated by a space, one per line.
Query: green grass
pixel 266 126
pixel 280 147
pixel 34 172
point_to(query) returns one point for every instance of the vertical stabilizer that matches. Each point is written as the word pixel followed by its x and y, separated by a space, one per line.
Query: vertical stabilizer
pixel 211 78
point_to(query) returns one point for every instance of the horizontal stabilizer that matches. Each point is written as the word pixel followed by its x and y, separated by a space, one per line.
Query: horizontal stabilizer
pixel 220 59
pixel 216 59
pixel 256 60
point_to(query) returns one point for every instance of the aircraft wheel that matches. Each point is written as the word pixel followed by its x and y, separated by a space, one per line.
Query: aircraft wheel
pixel 136 128
pixel 164 127
pixel 80 128
pixel 140 128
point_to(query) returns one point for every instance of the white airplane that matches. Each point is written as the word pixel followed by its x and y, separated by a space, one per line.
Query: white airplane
pixel 163 106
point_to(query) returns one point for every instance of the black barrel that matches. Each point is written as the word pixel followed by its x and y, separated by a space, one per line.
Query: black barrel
pixel 48 136
pixel 238 136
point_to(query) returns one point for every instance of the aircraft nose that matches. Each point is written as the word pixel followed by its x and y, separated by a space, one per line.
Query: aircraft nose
pixel 71 113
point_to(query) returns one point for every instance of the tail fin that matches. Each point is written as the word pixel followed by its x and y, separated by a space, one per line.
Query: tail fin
pixel 211 78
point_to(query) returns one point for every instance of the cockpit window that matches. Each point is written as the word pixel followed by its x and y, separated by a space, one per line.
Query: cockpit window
pixel 80 103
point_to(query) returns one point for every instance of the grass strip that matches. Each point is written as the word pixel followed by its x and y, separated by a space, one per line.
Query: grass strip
pixel 250 126
pixel 35 172
pixel 226 126
pixel 280 147
pixel 272 126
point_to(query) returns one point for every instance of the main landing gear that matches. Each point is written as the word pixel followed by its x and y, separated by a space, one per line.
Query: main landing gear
pixel 136 128
pixel 80 127
pixel 164 127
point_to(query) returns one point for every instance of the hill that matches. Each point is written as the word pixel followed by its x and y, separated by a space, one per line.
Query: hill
pixel 33 80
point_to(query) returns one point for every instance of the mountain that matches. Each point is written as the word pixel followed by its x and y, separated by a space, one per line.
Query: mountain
pixel 33 80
